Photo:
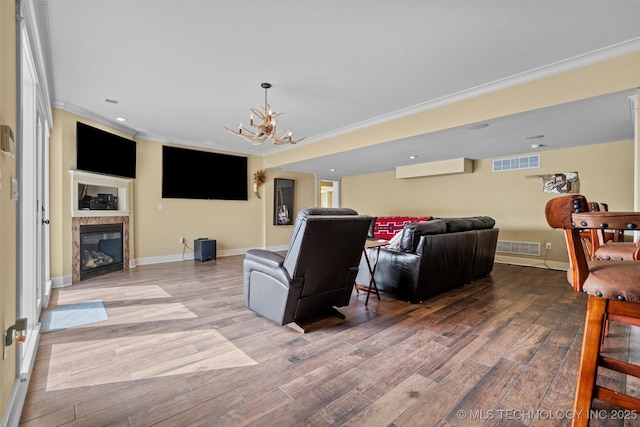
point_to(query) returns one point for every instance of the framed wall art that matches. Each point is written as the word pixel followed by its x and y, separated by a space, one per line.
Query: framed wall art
pixel 283 201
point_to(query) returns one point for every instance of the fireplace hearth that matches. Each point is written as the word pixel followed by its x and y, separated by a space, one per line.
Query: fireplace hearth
pixel 101 249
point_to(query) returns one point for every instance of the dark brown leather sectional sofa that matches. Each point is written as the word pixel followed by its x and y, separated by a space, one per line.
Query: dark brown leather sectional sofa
pixel 433 257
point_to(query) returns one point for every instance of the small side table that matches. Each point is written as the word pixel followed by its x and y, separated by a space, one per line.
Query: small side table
pixel 372 268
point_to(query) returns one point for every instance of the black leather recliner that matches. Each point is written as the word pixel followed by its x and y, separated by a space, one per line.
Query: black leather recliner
pixel 318 271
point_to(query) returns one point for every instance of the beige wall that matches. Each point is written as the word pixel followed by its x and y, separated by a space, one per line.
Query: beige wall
pixel 157 223
pixel 7 206
pixel 235 225
pixel 62 148
pixel 513 200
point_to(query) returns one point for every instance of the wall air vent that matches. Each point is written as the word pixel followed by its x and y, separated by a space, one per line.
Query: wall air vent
pixel 520 248
pixel 514 163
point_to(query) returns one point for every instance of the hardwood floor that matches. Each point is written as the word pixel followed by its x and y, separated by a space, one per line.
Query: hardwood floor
pixel 180 349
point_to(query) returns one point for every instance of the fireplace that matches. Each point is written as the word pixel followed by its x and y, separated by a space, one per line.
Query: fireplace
pixel 101 249
pixel 96 184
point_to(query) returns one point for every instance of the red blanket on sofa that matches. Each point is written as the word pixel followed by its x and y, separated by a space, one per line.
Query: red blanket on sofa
pixel 386 227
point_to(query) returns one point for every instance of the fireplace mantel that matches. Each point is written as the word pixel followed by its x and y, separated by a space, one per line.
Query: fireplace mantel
pixel 121 187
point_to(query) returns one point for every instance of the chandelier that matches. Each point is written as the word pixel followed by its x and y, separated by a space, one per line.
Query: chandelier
pixel 261 132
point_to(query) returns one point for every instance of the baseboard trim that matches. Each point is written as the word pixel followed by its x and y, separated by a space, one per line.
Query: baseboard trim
pixel 164 258
pixel 18 394
pixel 530 262
pixel 190 257
pixel 61 281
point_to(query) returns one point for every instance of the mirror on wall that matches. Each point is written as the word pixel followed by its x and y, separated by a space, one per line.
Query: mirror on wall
pixel 283 201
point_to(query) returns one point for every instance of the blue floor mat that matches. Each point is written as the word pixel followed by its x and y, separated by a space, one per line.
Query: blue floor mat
pixel 73 315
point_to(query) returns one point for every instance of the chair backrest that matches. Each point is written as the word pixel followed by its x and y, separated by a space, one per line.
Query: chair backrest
pixel 572 213
pixel 324 255
pixel 559 213
pixel 601 237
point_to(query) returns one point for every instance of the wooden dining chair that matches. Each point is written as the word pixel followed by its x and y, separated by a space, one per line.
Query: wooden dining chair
pixel 613 289
pixel 605 244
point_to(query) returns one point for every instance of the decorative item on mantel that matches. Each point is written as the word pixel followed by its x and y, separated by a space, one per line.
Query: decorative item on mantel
pixel 259 178
pixel 266 129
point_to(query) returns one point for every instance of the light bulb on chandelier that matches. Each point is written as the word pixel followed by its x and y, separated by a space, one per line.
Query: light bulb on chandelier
pixel 267 129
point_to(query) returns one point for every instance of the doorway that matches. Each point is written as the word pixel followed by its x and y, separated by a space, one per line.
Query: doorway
pixel 328 194
pixel 33 275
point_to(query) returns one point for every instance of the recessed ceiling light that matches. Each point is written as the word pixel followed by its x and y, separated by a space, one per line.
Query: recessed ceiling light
pixel 534 146
pixel 478 126
pixel 413 157
pixel 535 137
pixel 332 170
pixel 121 119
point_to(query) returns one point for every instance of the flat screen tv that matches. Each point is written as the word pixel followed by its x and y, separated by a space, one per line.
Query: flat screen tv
pixel 103 152
pixel 195 174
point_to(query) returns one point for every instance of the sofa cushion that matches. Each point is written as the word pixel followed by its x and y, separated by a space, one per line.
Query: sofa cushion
pixel 394 242
pixel 412 232
pixel 482 222
pixel 455 225
pixel 490 222
pixel 386 227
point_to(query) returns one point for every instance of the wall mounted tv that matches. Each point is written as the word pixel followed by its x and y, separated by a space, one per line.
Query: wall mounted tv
pixel 103 152
pixel 194 174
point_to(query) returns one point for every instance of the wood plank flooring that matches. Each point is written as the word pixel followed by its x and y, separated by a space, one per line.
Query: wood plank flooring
pixel 180 349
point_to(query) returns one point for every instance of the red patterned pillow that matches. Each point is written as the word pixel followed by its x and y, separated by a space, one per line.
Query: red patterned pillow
pixel 387 226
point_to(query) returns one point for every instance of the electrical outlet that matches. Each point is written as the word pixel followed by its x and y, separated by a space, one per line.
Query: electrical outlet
pixel 548 245
pixel 181 239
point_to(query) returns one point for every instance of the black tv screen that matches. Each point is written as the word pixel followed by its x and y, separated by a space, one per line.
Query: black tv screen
pixel 103 152
pixel 194 174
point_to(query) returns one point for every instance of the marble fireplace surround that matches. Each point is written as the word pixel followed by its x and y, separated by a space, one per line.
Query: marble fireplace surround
pixel 75 230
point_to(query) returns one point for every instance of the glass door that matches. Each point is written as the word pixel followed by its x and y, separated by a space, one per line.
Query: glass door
pixel 33 276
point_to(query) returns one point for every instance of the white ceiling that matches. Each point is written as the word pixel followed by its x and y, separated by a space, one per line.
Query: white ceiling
pixel 182 69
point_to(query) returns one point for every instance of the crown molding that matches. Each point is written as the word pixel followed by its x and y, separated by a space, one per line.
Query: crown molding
pixel 95 117
pixel 569 64
pixel 135 134
pixel 590 58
